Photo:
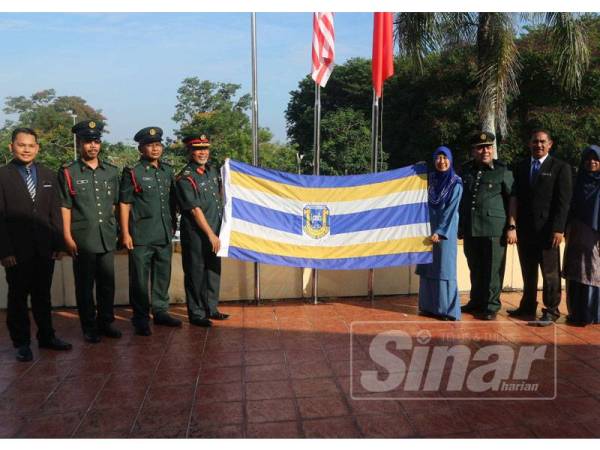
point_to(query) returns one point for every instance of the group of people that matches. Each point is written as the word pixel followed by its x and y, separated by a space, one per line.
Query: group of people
pixel 535 206
pixel 43 214
pixel 88 207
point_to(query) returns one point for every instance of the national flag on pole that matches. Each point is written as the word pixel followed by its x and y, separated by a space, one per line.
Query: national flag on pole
pixel 383 50
pixel 322 47
pixel 325 222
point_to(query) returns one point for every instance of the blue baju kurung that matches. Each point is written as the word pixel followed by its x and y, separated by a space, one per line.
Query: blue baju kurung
pixel 438 290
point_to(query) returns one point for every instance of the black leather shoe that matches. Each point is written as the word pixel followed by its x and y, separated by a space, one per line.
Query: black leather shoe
pixel 24 353
pixel 488 316
pixel 92 337
pixel 142 330
pixel 219 316
pixel 520 312
pixel 201 322
pixel 110 331
pixel 470 308
pixel 166 320
pixel 546 320
pixel 55 344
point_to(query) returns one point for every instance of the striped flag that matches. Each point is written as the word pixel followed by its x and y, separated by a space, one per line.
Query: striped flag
pixel 322 47
pixel 325 222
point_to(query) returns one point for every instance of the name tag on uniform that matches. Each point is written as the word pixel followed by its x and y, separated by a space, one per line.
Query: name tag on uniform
pixel 47 184
pixel 545 174
pixel 82 182
pixel 146 179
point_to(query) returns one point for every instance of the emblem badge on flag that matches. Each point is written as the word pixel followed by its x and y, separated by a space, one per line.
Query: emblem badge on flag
pixel 315 221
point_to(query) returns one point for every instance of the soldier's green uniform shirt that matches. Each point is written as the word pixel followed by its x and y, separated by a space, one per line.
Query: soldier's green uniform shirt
pixel 150 191
pixel 91 194
pixel 199 189
pixel 485 199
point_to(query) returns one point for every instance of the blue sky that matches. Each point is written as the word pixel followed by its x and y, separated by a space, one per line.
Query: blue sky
pixel 130 65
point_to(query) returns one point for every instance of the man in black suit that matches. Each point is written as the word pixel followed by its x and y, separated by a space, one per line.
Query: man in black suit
pixel 538 215
pixel 30 241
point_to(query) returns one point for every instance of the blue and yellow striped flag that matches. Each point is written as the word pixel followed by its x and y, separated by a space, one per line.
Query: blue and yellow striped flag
pixel 325 222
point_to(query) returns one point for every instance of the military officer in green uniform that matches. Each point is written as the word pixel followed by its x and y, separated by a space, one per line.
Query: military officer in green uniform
pixel 89 190
pixel 199 197
pixel 483 224
pixel 147 219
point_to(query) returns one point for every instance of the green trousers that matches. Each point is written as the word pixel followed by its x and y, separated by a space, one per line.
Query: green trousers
pixel 97 269
pixel 201 277
pixel 149 279
pixel 486 257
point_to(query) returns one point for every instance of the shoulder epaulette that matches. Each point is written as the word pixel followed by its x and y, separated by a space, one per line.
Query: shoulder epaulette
pixel 136 186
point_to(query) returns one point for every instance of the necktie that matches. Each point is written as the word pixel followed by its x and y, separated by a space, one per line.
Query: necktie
pixel 30 183
pixel 535 168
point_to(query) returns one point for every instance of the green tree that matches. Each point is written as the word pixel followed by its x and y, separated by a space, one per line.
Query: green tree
pixel 50 117
pixel 215 109
pixel 498 63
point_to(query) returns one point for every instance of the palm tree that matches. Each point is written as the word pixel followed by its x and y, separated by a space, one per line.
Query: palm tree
pixel 493 35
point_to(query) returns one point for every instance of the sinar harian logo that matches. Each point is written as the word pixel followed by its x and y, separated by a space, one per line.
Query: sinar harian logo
pixel 315 221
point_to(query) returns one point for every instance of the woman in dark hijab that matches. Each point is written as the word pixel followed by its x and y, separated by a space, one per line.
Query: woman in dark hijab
pixel 438 290
pixel 582 254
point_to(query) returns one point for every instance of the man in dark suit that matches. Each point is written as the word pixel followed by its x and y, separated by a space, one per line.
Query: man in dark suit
pixel 539 206
pixel 30 241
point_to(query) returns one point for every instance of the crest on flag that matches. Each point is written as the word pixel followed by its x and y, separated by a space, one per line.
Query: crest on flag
pixel 315 221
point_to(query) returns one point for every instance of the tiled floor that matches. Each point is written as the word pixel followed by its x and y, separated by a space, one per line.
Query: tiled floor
pixel 282 370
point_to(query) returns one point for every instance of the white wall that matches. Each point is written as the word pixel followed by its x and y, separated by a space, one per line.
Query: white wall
pixel 277 282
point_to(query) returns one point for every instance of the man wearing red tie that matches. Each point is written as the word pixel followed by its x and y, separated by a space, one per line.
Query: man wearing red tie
pixel 538 214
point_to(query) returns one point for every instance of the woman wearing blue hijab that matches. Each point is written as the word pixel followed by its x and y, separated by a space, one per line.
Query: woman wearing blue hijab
pixel 582 254
pixel 438 290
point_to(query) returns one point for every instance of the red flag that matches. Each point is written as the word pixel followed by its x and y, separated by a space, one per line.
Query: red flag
pixel 383 50
pixel 322 47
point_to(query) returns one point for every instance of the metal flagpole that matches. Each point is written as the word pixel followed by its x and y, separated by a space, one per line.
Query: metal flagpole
pixel 374 160
pixel 316 171
pixel 255 137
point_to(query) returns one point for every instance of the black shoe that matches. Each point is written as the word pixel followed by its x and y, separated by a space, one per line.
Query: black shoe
pixel 520 312
pixel 569 320
pixel 55 344
pixel 166 320
pixel 546 320
pixel 470 308
pixel 92 337
pixel 142 330
pixel 487 316
pixel 219 316
pixel 201 322
pixel 24 353
pixel 110 331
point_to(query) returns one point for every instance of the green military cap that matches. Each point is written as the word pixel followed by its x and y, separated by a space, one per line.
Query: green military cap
pixel 195 141
pixel 482 138
pixel 148 135
pixel 88 130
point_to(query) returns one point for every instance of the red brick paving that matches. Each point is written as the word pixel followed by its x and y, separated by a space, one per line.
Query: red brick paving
pixel 278 370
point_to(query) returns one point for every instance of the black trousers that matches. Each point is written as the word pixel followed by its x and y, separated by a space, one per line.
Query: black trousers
pixel 533 253
pixel 98 269
pixel 486 258
pixel 29 278
pixel 201 278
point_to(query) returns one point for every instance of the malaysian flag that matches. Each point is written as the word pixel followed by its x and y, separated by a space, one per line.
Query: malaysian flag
pixel 322 47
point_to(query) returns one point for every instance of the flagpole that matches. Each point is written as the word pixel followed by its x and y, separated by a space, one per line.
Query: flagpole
pixel 374 160
pixel 255 135
pixel 316 171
